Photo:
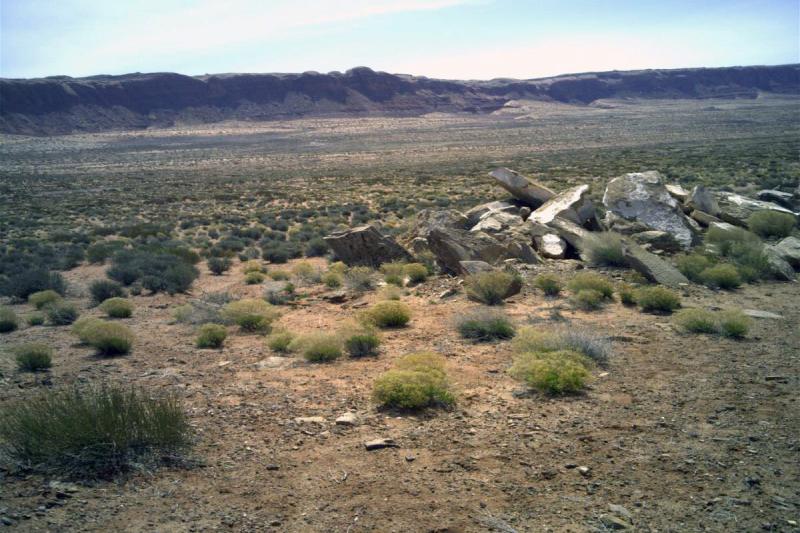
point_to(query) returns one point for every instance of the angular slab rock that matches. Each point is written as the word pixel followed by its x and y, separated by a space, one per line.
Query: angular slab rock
pixel 735 208
pixel 451 246
pixel 642 197
pixel 550 246
pixel 365 245
pixel 789 250
pixel 786 199
pixel 468 268
pixel 531 193
pixel 575 235
pixel 477 213
pixel 571 204
pixel 757 313
pixel 701 199
pixel 495 221
pixel 657 240
pixel 703 218
pixel 778 266
pixel 677 192
pixel 651 266
pixel 378 444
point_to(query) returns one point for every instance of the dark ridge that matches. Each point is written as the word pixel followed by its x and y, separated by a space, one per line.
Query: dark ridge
pixel 61 104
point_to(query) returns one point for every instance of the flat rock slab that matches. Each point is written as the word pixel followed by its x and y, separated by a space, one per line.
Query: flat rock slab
pixel 571 204
pixel 652 267
pixel 273 362
pixel 309 420
pixel 789 250
pixel 735 208
pixel 365 245
pixel 532 193
pixel 756 313
pixel 378 444
pixel 347 419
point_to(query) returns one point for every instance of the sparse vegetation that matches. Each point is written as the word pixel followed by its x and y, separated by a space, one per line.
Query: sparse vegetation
pixel 605 249
pixel 35 319
pixel 103 289
pixel 491 288
pixel 591 281
pixel 42 299
pixel 588 300
pixel 696 321
pixel 361 342
pixel 418 381
pixel 771 224
pixel 254 278
pixel 108 338
pixel 485 325
pixel 388 314
pixel 693 265
pixel 8 320
pixel 721 276
pixel 551 372
pixel 549 284
pixel 359 279
pixel 627 294
pixel 61 313
pixel 734 323
pixel 33 356
pixel 318 347
pixel 280 341
pixel 657 299
pixel 211 336
pixel 416 273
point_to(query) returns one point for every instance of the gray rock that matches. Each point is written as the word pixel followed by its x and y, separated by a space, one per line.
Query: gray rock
pixel 273 362
pixel 786 199
pixel 677 192
pixel 614 522
pixel 701 199
pixel 550 246
pixel 377 444
pixel 735 208
pixel 789 250
pixel 495 221
pixel 571 204
pixel 575 235
pixel 309 420
pixel 642 197
pixel 467 268
pixel 619 510
pixel 651 266
pixel 531 193
pixel 703 218
pixel 364 245
pixel 657 240
pixel 451 246
pixel 778 266
pixel 477 213
pixel 348 419
pixel 756 313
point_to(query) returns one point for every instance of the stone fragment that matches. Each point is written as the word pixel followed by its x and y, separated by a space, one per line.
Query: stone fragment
pixel 757 313
pixel 309 420
pixel 703 218
pixel 779 268
pixel 735 208
pixel 348 419
pixel 468 268
pixel 789 250
pixel 531 193
pixel 550 246
pixel 657 240
pixel 701 199
pixel 569 231
pixel 365 245
pixel 786 199
pixel 651 266
pixel 677 192
pixel 378 444
pixel 571 204
pixel 475 214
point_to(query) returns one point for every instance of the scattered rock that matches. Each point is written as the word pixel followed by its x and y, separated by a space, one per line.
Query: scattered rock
pixel 364 245
pixel 531 193
pixel 451 246
pixel 786 199
pixel 477 213
pixel 657 240
pixel 789 250
pixel 735 208
pixel 348 419
pixel 585 471
pixel 572 205
pixel 469 268
pixel 652 267
pixel 309 420
pixel 452 291
pixel 570 232
pixel 778 266
pixel 496 221
pixel 272 362
pixel 703 218
pixel 755 313
pixel 336 297
pixel 677 192
pixel 619 510
pixel 378 444
pixel 550 246
pixel 614 522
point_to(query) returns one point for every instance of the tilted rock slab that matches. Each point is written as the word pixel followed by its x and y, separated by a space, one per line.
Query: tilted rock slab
pixel 652 267
pixel 477 213
pixel 571 204
pixel 735 208
pixel 789 250
pixel 365 245
pixel 702 200
pixel 575 235
pixel 642 197
pixel 532 193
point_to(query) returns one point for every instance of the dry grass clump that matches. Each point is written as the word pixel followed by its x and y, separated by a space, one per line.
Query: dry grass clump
pixel 61 313
pixel 585 341
pixel 44 298
pixel 731 323
pixel 627 294
pixel 254 278
pixel 361 341
pixel 318 347
pixel 250 314
pixel 8 320
pixel 211 336
pixel 693 265
pixel 359 279
pixel 33 356
pixel 491 288
pixel 769 224
pixel 280 341
pixel 551 372
pixel 734 323
pixel 332 280
pixel 721 276
pixel 416 273
pixel 306 273
pixel 657 300
pixel 387 314
pixel 390 292
pixel 604 249
pixel 394 273
pixel 549 284
pixel 588 300
pixel 253 265
pixel 485 325
pixel 418 381
pixel 108 338
pixel 592 282
pixel 117 308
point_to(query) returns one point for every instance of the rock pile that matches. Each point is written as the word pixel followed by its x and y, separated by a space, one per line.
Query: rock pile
pixel 654 218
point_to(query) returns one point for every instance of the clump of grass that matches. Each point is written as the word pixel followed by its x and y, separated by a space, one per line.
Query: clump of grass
pixel 604 249
pixel 390 292
pixel 485 325
pixel 250 314
pixel 44 298
pixel 219 265
pixel 211 336
pixel 693 265
pixel 418 381
pixel 588 300
pixel 332 280
pixel 253 265
pixel 360 279
pixel 280 341
pixel 549 284
pixel 530 339
pixel 769 224
pixel 388 314
pixel 108 338
pixel 8 320
pixel 117 308
pixel 657 300
pixel 35 319
pixel 33 356
pixel 574 338
pixel 416 273
pixel 722 276
pixel 552 372
pixel 254 278
pixel 94 432
pixel 279 275
pixel 734 323
pixel 491 288
pixel 81 326
pixel 743 249
pixel 360 341
pixel 627 294
pixel 280 296
pixel 306 273
pixel 394 273
pixel 696 321
pixel 207 308
pixel 318 347
pixel 591 281
pixel 62 313
pixel 103 289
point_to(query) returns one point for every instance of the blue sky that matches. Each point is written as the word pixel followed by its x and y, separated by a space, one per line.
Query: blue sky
pixel 464 39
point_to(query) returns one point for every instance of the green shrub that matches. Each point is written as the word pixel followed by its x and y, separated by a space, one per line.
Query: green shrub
pixel 557 372
pixel 316 247
pixel 491 288
pixel 693 265
pixel 587 300
pixel 696 321
pixel 35 319
pixel 725 238
pixel 419 381
pixel 360 279
pixel 157 269
pixel 33 357
pixel 24 283
pixel 93 432
pixel 254 278
pixel 81 326
pixel 108 338
pixel 657 300
pixel 8 320
pixel 306 272
pixel 117 308
pixel 416 272
pixel 390 292
pixel 318 347
pixel 250 314
pixel 103 289
pixel 549 284
pixel 332 280
pixel 280 341
pixel 362 343
pixel 219 265
pixel 483 325
pixel 592 281
pixel 588 342
pixel 253 266
pixel 769 224
pixel 750 260
pixel 279 275
pixel 530 339
pixel 604 249
pixel 721 276
pixel 388 314
pixel 734 323
pixel 44 298
pixel 211 336
pixel 627 294
pixel 394 273
pixel 62 313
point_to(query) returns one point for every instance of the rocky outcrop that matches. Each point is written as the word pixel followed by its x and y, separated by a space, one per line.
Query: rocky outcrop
pixel 702 200
pixel 651 266
pixel 778 266
pixel 789 250
pixel 496 221
pixel 642 198
pixel 365 245
pixel 477 213
pixel 572 233
pixel 785 199
pixel 572 204
pixel 735 208
pixel 526 190
pixel 657 240
pixel 451 246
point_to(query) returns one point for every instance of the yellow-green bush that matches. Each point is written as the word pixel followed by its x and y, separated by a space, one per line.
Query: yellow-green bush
pixel 627 294
pixel 591 281
pixel 8 320
pixel 587 299
pixel 318 347
pixel 693 265
pixel 211 336
pixel 394 273
pixel 117 308
pixel 253 265
pixel 33 356
pixel 491 288
pixel 306 272
pixel 721 276
pixel 388 314
pixel 416 272
pixel 81 325
pixel 769 223
pixel 604 249
pixel 734 323
pixel 549 284
pixel 44 298
pixel 557 372
pixel 280 341
pixel 696 321
pixel 108 338
pixel 61 313
pixel 250 314
pixel 332 280
pixel 657 300
pixel 418 381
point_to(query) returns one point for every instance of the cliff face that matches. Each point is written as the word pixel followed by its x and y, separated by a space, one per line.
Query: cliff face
pixel 62 104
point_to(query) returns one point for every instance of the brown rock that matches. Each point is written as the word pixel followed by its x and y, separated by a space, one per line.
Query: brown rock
pixel 532 193
pixel 364 245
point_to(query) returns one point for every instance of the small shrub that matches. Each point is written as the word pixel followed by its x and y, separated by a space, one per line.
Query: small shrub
pixel 332 280
pixel 558 372
pixel 585 341
pixel 605 249
pixel 549 284
pixel 657 300
pixel 588 300
pixel 721 276
pixel 280 296
pixel 491 288
pixel 360 279
pixel 394 273
pixel 362 343
pixel 734 323
pixel 103 289
pixel 693 265
pixel 530 339
pixel 117 308
pixel 44 298
pixel 254 278
pixel 108 338
pixel 253 266
pixel 484 325
pixel 306 272
pixel 768 224
pixel 318 347
pixel 8 320
pixel 62 314
pixel 206 309
pixel 250 314
pixel 219 265
pixel 35 319
pixel 391 292
pixel 316 247
pixel 592 281
pixel 26 282
pixel 211 336
pixel 696 321
pixel 416 272
pixel 279 275
pixel 93 432
pixel 280 341
pixel 419 381
pixel 81 326
pixel 627 294
pixel 725 238
pixel 388 314
pixel 33 357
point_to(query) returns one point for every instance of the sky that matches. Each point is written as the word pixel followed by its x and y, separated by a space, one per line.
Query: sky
pixel 457 39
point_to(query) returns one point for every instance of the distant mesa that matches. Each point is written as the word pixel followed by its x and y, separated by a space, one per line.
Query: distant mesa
pixel 60 104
